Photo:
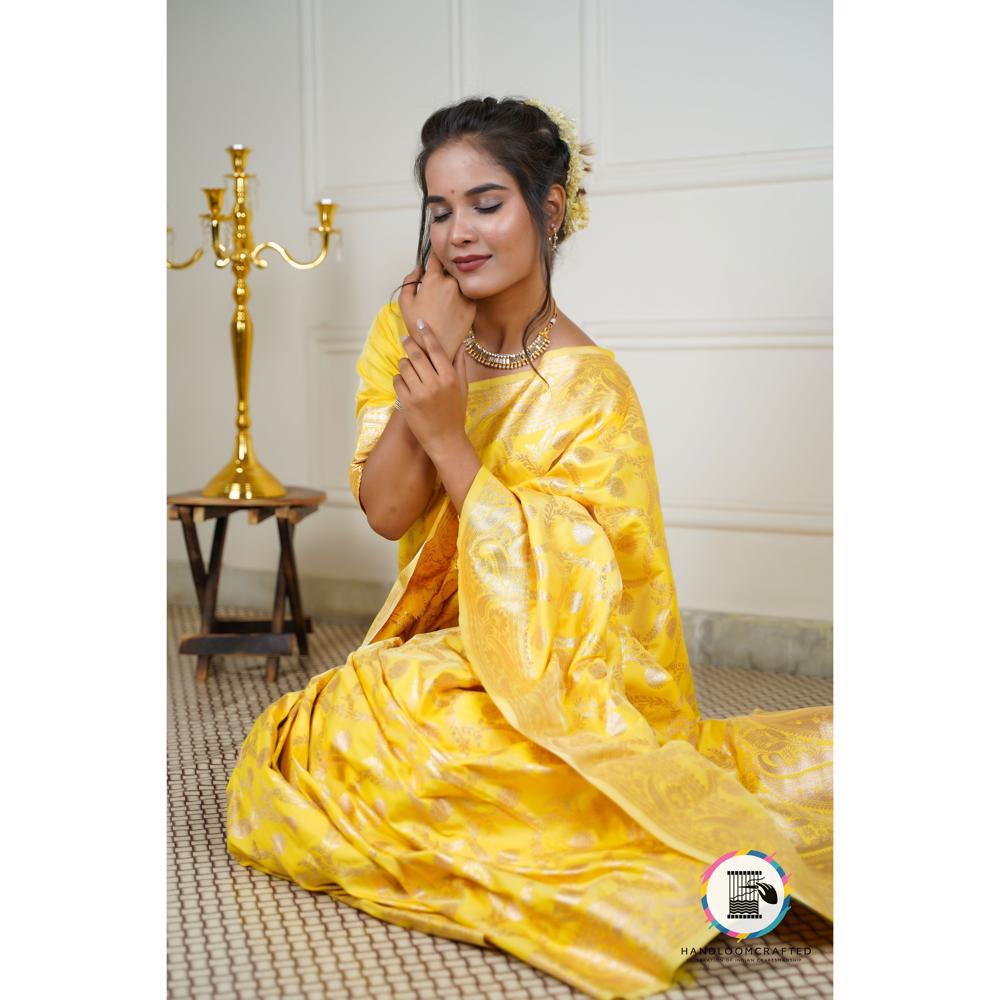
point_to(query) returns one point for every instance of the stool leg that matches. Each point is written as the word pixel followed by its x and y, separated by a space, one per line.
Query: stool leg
pixel 208 623
pixel 194 555
pixel 286 532
pixel 277 622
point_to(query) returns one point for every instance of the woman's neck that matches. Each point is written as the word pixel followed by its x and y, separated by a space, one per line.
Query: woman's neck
pixel 501 319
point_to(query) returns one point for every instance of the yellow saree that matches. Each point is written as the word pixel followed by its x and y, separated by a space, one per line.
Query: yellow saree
pixel 515 756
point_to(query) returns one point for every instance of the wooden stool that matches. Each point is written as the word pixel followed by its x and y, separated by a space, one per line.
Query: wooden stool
pixel 270 636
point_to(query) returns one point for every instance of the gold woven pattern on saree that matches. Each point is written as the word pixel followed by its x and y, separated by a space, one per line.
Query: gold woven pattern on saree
pixel 515 754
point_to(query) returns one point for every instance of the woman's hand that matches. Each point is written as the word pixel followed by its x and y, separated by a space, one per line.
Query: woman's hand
pixel 439 302
pixel 433 391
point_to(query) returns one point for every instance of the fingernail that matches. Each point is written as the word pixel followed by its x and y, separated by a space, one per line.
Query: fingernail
pixel 420 324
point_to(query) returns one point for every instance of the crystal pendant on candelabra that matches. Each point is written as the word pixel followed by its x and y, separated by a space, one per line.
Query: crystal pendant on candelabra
pixel 225 236
pixel 253 193
pixel 316 244
pixel 206 234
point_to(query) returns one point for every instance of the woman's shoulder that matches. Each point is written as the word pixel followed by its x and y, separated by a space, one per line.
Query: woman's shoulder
pixel 388 325
pixel 566 333
pixel 390 314
pixel 590 371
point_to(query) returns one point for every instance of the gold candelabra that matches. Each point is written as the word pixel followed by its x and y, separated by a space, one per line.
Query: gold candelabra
pixel 243 477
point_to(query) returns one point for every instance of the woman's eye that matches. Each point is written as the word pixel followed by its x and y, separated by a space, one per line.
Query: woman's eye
pixel 485 209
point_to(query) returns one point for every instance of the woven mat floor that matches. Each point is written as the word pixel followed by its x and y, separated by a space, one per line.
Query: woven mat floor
pixel 234 932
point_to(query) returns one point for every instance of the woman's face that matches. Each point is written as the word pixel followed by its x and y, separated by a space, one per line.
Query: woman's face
pixel 494 222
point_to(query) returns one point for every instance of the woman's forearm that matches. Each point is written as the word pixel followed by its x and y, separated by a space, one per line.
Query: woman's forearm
pixel 397 480
pixel 458 463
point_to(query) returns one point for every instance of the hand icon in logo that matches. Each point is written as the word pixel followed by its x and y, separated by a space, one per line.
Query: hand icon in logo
pixel 766 890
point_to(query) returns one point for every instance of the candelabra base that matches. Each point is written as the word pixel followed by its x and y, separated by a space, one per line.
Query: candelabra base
pixel 243 477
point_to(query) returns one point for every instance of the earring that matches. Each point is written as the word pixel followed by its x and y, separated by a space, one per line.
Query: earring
pixel 553 239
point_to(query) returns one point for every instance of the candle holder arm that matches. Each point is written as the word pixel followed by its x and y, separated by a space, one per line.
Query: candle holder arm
pixel 193 259
pixel 288 258
pixel 177 265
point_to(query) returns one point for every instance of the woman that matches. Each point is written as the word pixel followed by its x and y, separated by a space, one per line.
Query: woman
pixel 515 756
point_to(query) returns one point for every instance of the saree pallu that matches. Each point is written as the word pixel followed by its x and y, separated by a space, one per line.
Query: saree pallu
pixel 515 756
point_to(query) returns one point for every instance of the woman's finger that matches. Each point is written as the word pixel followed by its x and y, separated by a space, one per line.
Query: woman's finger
pixel 432 346
pixel 417 359
pixel 400 387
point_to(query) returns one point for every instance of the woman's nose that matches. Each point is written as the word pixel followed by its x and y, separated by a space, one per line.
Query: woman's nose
pixel 461 230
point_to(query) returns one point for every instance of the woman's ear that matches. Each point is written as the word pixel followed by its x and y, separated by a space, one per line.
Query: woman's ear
pixel 555 205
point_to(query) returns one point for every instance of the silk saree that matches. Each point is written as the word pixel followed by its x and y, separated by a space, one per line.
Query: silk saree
pixel 514 756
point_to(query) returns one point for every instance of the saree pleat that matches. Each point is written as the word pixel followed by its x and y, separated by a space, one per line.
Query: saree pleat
pixel 514 757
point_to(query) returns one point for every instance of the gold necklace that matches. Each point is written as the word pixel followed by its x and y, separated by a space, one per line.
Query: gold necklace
pixel 491 359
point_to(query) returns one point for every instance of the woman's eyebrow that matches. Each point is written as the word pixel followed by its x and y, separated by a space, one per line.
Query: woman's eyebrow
pixel 478 189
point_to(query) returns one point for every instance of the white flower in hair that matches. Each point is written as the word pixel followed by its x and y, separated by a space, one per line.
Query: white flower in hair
pixel 577 209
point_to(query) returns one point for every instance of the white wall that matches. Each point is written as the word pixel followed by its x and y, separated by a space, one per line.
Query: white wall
pixel 706 266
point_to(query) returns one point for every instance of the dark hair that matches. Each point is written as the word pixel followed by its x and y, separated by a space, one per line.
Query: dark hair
pixel 525 142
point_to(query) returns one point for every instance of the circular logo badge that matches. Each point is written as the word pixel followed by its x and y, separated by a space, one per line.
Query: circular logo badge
pixel 745 894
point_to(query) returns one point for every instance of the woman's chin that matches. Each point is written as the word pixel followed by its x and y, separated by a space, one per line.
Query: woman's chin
pixel 474 287
pixel 474 290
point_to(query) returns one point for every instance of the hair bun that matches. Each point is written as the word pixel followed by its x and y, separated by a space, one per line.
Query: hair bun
pixel 577 208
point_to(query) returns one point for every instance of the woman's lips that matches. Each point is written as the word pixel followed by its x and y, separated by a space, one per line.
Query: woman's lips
pixel 470 265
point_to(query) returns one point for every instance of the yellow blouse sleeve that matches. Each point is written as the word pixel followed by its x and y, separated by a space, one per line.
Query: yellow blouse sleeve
pixel 376 366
